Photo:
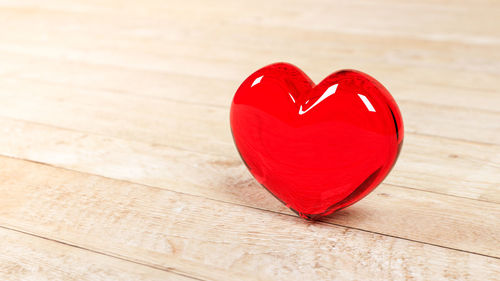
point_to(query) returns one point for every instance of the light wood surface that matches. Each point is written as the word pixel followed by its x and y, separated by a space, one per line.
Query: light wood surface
pixel 117 162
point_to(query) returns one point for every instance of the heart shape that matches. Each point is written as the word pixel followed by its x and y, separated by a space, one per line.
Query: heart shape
pixel 317 148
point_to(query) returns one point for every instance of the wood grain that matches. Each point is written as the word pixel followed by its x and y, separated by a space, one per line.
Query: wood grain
pixel 205 129
pixel 117 163
pixel 209 239
pixel 393 210
pixel 26 257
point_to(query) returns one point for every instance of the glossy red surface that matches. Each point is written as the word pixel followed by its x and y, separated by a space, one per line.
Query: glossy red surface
pixel 317 148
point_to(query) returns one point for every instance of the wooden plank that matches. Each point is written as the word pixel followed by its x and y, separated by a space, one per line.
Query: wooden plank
pixel 32 101
pixel 436 120
pixel 173 123
pixel 205 129
pixel 27 257
pixel 449 167
pixel 412 68
pixel 390 210
pixel 211 239
pixel 406 83
pixel 421 66
pixel 431 21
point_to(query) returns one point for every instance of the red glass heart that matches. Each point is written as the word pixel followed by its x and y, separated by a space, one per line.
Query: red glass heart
pixel 317 148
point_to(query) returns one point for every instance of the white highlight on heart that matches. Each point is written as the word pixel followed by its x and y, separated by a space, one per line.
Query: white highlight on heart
pixel 367 103
pixel 256 81
pixel 291 97
pixel 330 91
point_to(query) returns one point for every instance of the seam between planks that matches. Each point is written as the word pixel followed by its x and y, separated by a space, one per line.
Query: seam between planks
pixel 130 94
pixel 210 154
pixel 464 39
pixel 123 258
pixel 219 79
pixel 252 207
pixel 442 194
pixel 136 95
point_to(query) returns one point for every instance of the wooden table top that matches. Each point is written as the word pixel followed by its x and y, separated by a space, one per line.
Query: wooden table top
pixel 117 161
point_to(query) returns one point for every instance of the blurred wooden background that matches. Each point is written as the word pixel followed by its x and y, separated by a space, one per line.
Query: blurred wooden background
pixel 117 161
